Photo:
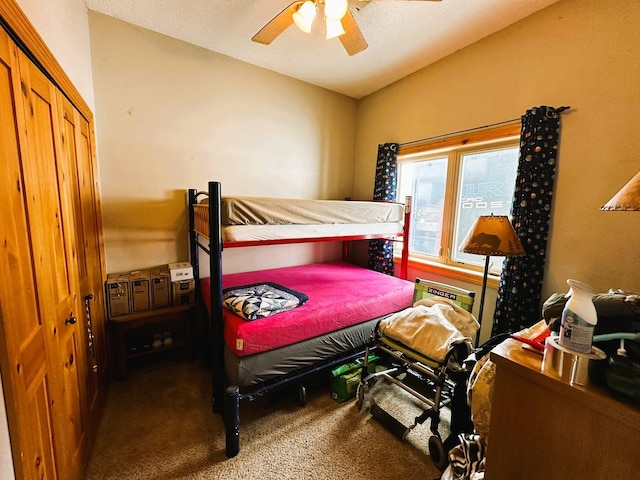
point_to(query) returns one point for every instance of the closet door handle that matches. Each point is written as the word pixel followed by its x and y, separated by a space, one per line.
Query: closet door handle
pixel 90 337
pixel 71 321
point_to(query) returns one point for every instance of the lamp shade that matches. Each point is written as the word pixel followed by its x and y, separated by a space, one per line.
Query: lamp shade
pixel 492 235
pixel 334 28
pixel 335 9
pixel 303 18
pixel 628 198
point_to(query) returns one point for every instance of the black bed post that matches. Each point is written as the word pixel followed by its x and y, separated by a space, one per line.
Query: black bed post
pixel 217 330
pixel 232 421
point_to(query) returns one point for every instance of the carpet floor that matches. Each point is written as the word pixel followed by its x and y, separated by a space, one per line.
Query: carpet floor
pixel 158 425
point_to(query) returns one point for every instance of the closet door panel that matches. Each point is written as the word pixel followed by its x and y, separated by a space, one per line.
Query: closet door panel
pixel 89 195
pixel 88 186
pixel 76 144
pixel 48 183
pixel 38 466
pixel 22 345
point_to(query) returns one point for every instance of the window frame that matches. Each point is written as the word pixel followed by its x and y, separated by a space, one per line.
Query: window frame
pixel 453 146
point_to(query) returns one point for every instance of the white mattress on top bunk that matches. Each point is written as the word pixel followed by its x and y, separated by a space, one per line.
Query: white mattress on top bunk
pixel 245 219
pixel 238 233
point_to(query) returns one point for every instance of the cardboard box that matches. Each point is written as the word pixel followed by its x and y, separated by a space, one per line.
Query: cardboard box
pixel 180 271
pixel 117 287
pixel 160 287
pixel 140 291
pixel 183 292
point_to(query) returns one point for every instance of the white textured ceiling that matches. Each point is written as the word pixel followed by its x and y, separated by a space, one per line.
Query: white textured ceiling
pixel 403 36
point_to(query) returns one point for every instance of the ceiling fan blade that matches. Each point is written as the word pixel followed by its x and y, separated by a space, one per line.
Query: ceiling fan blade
pixel 353 41
pixel 277 25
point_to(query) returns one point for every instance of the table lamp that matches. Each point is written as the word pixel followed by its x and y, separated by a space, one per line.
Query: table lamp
pixel 491 235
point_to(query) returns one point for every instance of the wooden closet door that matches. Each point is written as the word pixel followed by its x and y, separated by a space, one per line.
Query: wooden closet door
pixel 76 142
pixel 47 174
pixel 27 379
pixel 51 258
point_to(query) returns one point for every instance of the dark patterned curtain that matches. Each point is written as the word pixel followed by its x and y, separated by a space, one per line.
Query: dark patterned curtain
pixel 381 251
pixel 518 303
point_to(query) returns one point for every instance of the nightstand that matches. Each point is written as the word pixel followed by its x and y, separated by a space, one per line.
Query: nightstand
pixel 132 335
pixel 543 427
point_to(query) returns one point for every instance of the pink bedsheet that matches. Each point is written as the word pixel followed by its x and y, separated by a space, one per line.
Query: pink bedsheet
pixel 340 295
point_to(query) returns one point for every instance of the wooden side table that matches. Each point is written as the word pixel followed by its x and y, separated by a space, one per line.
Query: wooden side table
pixel 543 427
pixel 126 324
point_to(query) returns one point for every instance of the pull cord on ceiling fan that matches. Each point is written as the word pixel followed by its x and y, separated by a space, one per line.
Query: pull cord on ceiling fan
pixel 339 22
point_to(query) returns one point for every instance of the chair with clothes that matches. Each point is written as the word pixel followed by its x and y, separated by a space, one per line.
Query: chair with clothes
pixel 423 349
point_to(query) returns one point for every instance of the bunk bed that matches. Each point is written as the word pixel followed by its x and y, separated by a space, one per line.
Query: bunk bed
pixel 329 310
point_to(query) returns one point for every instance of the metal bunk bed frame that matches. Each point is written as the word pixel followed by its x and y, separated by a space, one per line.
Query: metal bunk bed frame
pixel 226 399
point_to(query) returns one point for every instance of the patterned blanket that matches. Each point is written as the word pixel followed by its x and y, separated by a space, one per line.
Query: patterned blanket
pixel 260 300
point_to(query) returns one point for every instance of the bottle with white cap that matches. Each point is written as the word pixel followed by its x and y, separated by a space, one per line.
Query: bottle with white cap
pixel 579 318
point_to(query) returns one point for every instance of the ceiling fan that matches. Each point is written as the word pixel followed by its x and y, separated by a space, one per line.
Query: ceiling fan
pixel 338 19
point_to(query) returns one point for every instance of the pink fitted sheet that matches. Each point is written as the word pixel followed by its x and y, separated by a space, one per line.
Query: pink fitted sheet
pixel 340 295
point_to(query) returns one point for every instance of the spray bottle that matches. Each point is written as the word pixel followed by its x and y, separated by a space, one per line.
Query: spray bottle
pixel 579 318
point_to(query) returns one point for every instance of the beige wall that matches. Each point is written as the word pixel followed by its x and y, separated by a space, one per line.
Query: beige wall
pixel 172 116
pixel 64 27
pixel 582 53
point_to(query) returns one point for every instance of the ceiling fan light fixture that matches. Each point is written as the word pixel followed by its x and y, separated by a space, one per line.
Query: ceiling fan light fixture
pixel 335 9
pixel 303 18
pixel 334 28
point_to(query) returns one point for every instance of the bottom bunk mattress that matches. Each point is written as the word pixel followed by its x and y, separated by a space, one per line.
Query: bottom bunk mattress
pixel 262 367
pixel 340 295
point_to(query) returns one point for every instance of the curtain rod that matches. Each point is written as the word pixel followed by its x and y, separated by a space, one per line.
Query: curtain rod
pixel 505 122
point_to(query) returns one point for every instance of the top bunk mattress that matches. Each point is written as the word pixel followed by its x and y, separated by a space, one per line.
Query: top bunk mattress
pixel 278 211
pixel 247 219
pixel 340 295
pixel 258 233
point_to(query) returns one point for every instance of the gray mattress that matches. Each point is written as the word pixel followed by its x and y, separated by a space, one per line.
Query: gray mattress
pixel 283 211
pixel 253 369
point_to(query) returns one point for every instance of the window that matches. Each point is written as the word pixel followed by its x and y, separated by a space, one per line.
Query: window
pixel 453 180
